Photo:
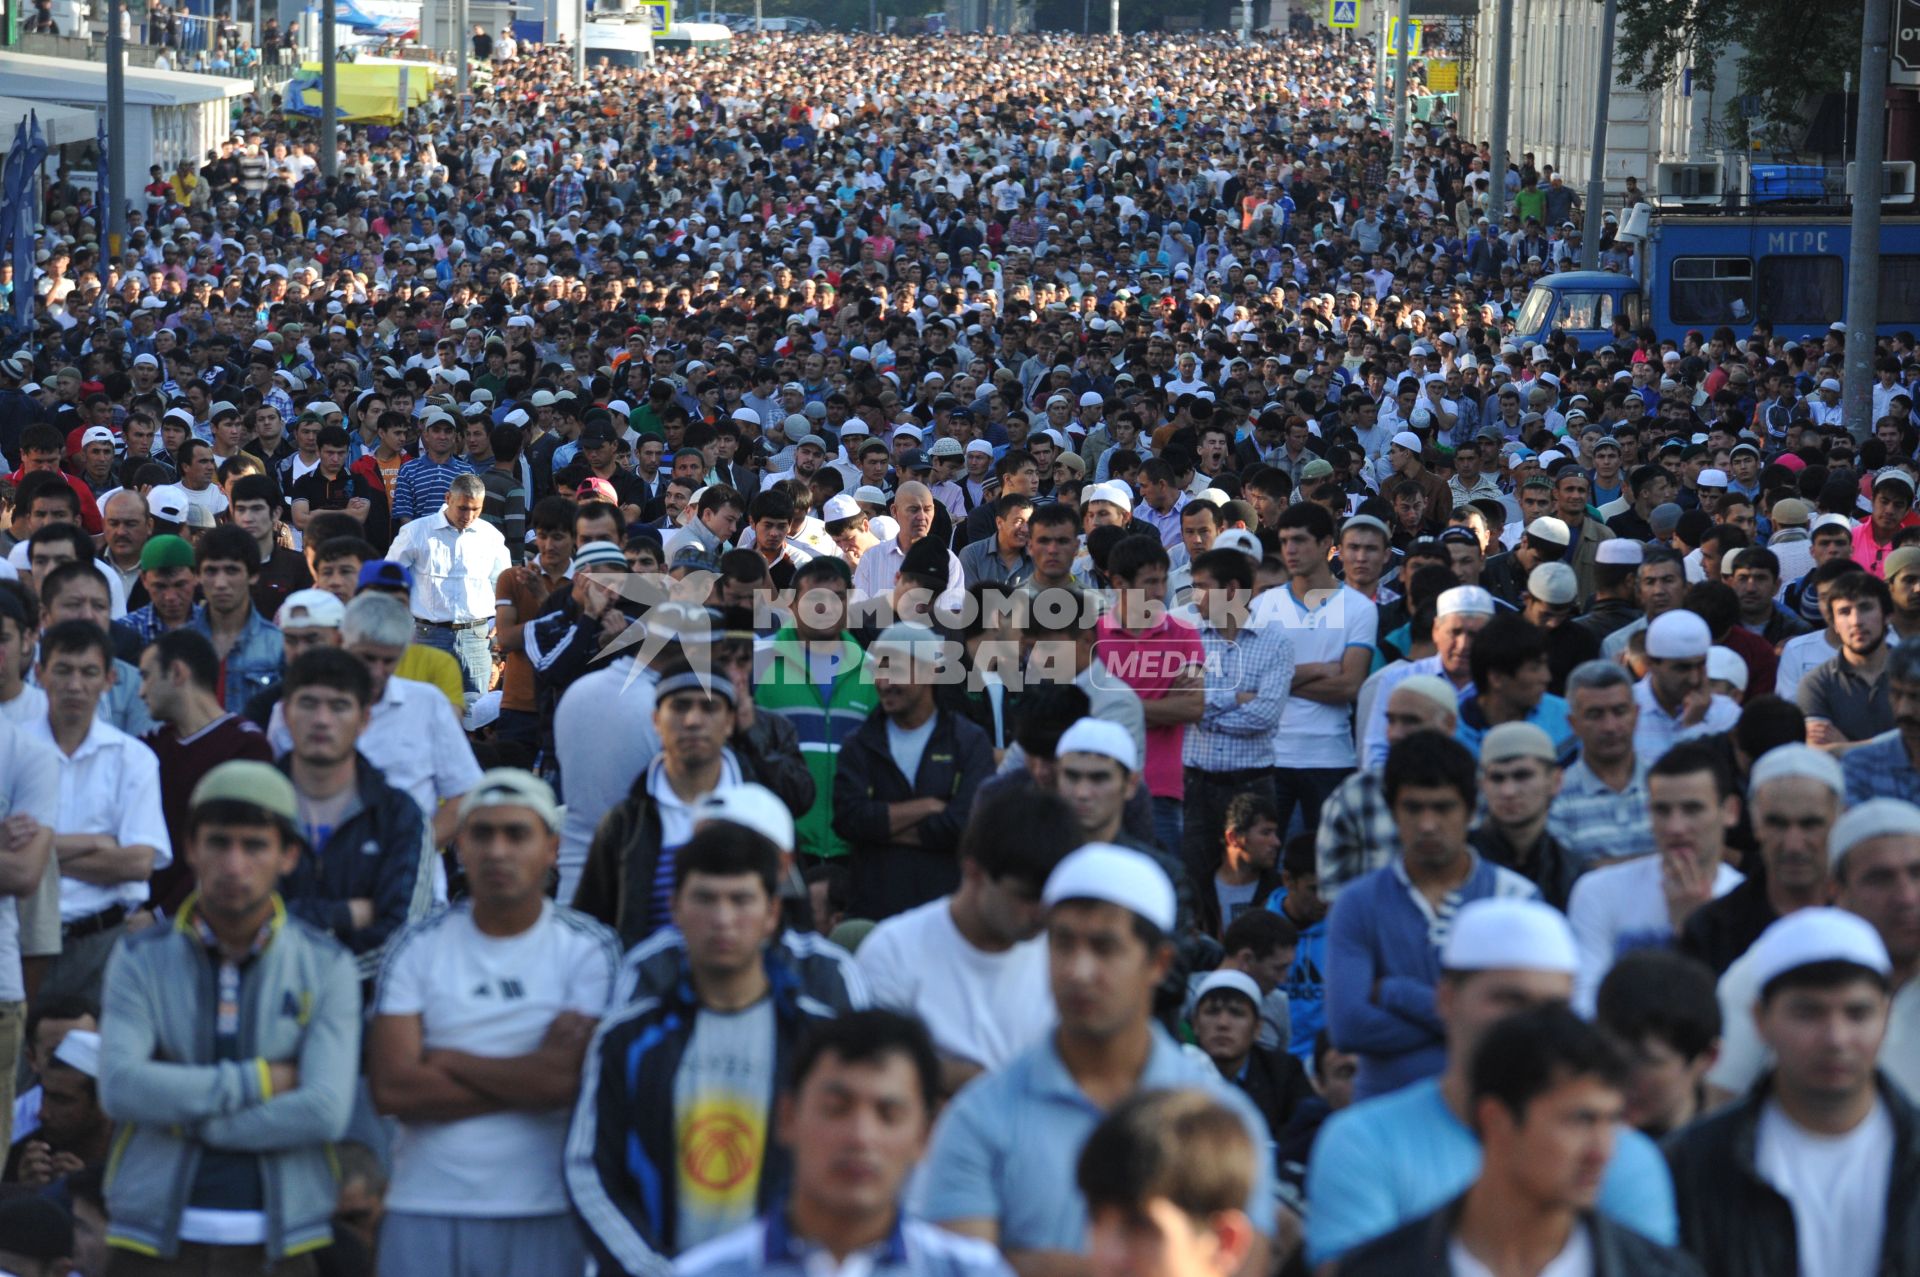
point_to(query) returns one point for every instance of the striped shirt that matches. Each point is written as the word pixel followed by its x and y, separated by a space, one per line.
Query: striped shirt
pixel 1594 821
pixel 1232 736
pixel 421 488
pixel 1880 769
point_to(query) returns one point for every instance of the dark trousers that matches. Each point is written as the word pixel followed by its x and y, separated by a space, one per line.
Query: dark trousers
pixel 1204 833
pixel 197 1260
pixel 1304 789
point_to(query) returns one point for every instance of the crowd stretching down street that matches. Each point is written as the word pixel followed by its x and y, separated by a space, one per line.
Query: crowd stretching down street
pixel 946 656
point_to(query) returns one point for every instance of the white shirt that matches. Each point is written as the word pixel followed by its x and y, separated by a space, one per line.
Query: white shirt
pixel 1800 656
pixel 491 996
pixel 29 786
pixel 1658 731
pixel 1744 1057
pixel 600 765
pixel 1313 734
pixel 110 785
pixel 17 565
pixel 453 569
pixel 1836 1184
pixel 982 1007
pixel 880 568
pixel 1620 907
pixel 414 739
pixel 209 498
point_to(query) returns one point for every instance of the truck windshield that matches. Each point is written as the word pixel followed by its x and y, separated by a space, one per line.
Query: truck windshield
pixel 1532 319
pixel 1584 312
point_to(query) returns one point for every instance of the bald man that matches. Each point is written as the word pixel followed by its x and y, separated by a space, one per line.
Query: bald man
pixel 879 566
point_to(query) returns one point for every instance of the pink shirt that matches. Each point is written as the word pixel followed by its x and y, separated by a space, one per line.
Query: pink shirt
pixel 1869 553
pixel 1148 662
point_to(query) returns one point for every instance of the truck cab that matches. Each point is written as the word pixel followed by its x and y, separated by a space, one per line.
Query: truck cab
pixel 1584 303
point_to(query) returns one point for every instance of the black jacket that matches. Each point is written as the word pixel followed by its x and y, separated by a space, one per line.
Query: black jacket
pixel 1420 1248
pixel 1723 929
pixel 1739 1225
pixel 379 853
pixel 1277 1084
pixel 616 886
pixel 1547 864
pixel 890 877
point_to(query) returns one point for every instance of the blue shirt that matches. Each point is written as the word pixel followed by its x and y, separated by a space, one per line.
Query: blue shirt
pixel 1550 716
pixel 1305 985
pixel 1385 1162
pixel 1007 1147
pixel 1383 963
pixel 421 486
pixel 768 1245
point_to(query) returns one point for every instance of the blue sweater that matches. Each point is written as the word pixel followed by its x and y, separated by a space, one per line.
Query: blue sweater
pixel 1382 930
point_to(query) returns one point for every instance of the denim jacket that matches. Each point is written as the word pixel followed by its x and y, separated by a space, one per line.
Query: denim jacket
pixel 254 664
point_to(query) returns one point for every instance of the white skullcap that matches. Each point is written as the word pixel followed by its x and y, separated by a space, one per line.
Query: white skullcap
pixel 1679 635
pixel 1432 688
pixel 1103 871
pixel 1518 740
pixel 1469 600
pixel 1794 759
pixel 752 806
pixel 1875 818
pixel 1237 981
pixel 1408 440
pixel 1809 936
pixel 1554 584
pixel 1548 528
pixel 1727 665
pixel 1112 491
pixel 1502 934
pixel 1620 552
pixel 839 506
pixel 80 1049
pixel 1098 736
pixel 1711 479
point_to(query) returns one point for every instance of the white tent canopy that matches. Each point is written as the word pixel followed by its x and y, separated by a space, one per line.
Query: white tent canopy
pixel 62 125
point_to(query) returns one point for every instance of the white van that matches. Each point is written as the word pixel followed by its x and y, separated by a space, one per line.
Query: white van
pixel 619 44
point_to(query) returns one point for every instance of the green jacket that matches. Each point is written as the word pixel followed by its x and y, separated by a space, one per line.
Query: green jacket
pixel 787 688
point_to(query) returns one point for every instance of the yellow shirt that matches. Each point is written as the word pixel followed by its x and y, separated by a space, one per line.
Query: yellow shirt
pixel 431 665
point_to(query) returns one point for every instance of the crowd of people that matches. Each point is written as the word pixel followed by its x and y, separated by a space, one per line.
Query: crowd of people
pixel 953 655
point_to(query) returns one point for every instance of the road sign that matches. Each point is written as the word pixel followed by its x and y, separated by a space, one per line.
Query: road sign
pixel 1343 14
pixel 659 16
pixel 1443 75
pixel 1393 36
pixel 1905 68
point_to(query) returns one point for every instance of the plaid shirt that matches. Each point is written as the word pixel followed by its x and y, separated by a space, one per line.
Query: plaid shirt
pixel 1595 822
pixel 143 623
pixel 1357 834
pixel 1231 736
pixel 1880 769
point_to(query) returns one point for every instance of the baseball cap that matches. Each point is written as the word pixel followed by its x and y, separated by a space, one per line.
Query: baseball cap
pixel 752 807
pixel 309 610
pixel 512 787
pixel 384 574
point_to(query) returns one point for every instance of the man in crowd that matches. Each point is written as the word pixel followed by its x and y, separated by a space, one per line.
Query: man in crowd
pixel 456 557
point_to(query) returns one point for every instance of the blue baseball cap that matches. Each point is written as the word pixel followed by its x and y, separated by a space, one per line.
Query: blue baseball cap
pixel 384 574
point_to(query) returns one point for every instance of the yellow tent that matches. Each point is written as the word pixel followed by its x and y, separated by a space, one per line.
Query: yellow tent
pixel 371 94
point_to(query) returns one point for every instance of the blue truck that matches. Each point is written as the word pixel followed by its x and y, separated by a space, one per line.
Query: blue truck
pixel 1708 270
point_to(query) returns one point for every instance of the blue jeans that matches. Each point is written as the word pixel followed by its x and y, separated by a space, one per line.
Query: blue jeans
pixel 1166 823
pixel 468 646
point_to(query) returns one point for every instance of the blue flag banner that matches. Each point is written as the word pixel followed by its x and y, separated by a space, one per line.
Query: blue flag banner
pixel 27 197
pixel 12 181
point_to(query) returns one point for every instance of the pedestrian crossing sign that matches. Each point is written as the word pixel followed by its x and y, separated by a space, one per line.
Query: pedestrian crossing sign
pixel 659 16
pixel 1343 13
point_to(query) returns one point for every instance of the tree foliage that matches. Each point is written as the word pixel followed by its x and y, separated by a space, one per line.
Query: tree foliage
pixel 1789 48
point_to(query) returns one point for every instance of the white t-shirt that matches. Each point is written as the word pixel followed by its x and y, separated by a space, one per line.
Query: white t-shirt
pixel 1621 907
pixel 1574 1260
pixel 1312 734
pixel 492 996
pixel 983 1007
pixel 1837 1186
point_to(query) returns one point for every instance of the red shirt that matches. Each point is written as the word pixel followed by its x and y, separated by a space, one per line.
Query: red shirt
pixel 1148 662
pixel 89 512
